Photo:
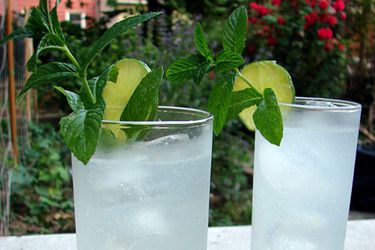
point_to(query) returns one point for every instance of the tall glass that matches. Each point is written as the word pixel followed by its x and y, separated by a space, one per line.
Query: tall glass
pixel 148 193
pixel 302 189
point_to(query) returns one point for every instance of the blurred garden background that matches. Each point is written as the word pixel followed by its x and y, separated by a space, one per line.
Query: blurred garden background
pixel 327 46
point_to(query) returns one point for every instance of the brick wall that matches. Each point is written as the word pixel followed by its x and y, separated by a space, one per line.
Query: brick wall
pixel 89 7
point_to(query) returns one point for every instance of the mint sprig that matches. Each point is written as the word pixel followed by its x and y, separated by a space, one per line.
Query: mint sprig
pixel 82 128
pixel 223 103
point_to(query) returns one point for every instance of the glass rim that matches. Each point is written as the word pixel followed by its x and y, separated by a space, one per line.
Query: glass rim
pixel 340 105
pixel 204 118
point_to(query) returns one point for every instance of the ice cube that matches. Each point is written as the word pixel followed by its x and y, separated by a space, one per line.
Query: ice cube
pixel 166 140
pixel 324 104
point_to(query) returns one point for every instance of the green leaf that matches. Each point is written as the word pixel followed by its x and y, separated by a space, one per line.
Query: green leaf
pixel 218 102
pixel 55 22
pixel 48 43
pixel 73 99
pixel 201 43
pixel 43 7
pixel 17 34
pixel 81 130
pixel 37 23
pixel 97 84
pixel 115 31
pixel 228 60
pixel 240 100
pixel 235 29
pixel 143 103
pixel 194 67
pixel 267 118
pixel 49 73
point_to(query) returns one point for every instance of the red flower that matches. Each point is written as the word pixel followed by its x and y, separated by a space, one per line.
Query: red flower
pixel 339 5
pixel 253 6
pixel 266 30
pixel 341 47
pixel 324 18
pixel 332 20
pixel 280 20
pixel 343 16
pixel 251 49
pixel 276 2
pixel 261 9
pixel 325 33
pixel 252 20
pixel 271 41
pixel 328 46
pixel 323 4
pixel 311 18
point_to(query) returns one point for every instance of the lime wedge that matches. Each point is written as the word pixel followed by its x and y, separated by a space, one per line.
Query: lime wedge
pixel 265 74
pixel 117 95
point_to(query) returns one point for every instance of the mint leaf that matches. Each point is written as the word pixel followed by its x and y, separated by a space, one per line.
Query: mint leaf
pixel 81 130
pixel 201 43
pixel 240 100
pixel 115 31
pixel 218 102
pixel 143 103
pixel 49 73
pixel 194 67
pixel 228 60
pixel 37 23
pixel 55 22
pixel 267 118
pixel 73 99
pixel 48 43
pixel 17 34
pixel 235 31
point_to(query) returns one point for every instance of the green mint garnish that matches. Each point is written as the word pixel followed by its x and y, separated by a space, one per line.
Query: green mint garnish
pixel 268 117
pixel 143 104
pixel 223 103
pixel 82 128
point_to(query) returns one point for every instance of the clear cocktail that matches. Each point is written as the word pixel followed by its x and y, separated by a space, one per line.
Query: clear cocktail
pixel 302 188
pixel 149 194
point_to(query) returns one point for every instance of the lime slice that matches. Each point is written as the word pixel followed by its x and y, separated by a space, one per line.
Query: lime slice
pixel 265 74
pixel 117 95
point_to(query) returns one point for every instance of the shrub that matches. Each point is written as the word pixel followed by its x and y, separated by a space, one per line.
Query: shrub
pixel 305 36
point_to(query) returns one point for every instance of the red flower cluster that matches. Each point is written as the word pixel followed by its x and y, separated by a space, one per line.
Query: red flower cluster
pixel 339 5
pixel 261 9
pixel 323 4
pixel 325 33
pixel 324 15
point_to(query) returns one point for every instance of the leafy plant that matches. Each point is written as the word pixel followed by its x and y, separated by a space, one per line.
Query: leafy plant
pixel 307 38
pixel 81 129
pixel 227 62
pixel 41 186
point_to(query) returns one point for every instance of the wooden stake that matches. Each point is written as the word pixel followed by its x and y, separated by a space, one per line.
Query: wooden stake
pixel 12 99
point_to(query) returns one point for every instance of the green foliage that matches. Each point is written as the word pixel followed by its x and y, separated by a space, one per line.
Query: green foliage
pixel 42 187
pixel 218 103
pixel 81 128
pixel 231 176
pixel 235 28
pixel 240 100
pixel 228 61
pixel 268 116
pixel 144 102
pixel 317 65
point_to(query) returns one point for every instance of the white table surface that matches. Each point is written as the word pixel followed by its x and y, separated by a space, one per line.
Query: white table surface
pixel 360 235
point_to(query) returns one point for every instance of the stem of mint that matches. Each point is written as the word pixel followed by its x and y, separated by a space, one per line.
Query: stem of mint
pixel 223 102
pixel 81 129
